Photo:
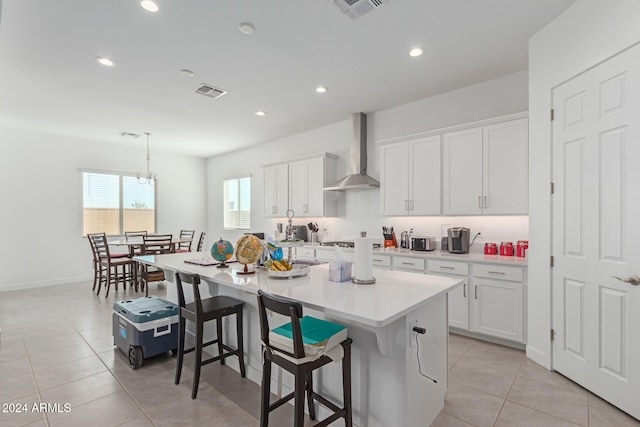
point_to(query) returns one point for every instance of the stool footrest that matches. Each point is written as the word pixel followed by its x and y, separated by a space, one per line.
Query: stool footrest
pixel 278 403
pixel 325 402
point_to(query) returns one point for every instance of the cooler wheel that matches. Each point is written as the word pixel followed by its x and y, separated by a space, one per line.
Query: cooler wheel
pixel 135 356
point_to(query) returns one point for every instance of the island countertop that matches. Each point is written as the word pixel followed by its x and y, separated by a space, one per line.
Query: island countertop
pixel 394 294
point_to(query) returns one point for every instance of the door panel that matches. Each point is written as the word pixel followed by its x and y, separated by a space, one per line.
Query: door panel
pixel 596 230
pixel 424 176
pixel 394 194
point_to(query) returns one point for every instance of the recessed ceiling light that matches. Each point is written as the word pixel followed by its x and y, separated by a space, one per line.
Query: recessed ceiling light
pixel 321 89
pixel 415 52
pixel 149 5
pixel 260 113
pixel 187 73
pixel 105 61
pixel 246 28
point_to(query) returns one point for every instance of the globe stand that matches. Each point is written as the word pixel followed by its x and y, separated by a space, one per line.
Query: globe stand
pixel 222 265
pixel 246 270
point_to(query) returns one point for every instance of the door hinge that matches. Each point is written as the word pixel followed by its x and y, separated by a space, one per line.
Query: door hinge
pixel 552 188
pixel 552 114
pixel 553 334
pixel 551 261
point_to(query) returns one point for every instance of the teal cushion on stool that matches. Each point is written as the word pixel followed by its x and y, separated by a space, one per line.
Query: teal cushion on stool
pixel 318 336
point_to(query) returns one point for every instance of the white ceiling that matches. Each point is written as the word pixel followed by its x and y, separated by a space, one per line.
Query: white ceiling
pixel 50 81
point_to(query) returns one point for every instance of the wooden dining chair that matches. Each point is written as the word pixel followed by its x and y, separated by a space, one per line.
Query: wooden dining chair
pixel 135 249
pixel 153 245
pixel 201 241
pixel 185 246
pixel 116 268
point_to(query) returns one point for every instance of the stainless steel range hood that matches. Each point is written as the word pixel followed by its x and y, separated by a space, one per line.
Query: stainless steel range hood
pixel 358 180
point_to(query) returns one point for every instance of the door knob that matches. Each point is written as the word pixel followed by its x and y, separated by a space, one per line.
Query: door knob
pixel 632 280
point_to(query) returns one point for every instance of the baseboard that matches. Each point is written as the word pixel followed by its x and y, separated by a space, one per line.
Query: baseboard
pixel 487 338
pixel 539 357
pixel 44 283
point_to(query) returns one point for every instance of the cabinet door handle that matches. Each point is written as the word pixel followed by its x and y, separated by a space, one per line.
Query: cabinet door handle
pixel 446 267
pixel 407 263
pixel 274 209
pixel 464 290
pixel 485 201
pixel 496 272
pixel 475 291
pixel 305 208
pixel 406 204
pixel 377 260
pixel 479 202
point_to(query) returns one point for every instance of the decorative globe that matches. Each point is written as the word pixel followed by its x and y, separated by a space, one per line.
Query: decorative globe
pixel 222 250
pixel 248 249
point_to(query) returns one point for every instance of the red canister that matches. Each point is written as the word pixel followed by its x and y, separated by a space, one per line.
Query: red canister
pixel 490 249
pixel 506 248
pixel 521 248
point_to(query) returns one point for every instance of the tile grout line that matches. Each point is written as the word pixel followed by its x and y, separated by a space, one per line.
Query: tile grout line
pixel 504 402
pixel 33 376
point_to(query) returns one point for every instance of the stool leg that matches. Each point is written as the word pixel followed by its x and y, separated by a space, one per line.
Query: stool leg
pixel 301 377
pixel 266 392
pixel 346 385
pixel 219 332
pixel 198 358
pixel 312 409
pixel 181 331
pixel 240 334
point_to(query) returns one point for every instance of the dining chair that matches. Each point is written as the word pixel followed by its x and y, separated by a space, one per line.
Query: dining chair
pixel 202 310
pixel 185 246
pixel 134 249
pixel 116 268
pixel 300 347
pixel 201 241
pixel 153 245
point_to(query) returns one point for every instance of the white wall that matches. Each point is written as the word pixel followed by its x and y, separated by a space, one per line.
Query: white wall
pixel 360 210
pixel 584 35
pixel 41 196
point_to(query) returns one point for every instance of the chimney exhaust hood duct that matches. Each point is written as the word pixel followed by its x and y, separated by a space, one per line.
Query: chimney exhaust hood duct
pixel 358 180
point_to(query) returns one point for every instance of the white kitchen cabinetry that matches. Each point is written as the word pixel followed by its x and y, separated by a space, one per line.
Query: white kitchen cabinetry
pixel 410 177
pixel 485 169
pixel 458 301
pixel 408 263
pixel 307 178
pixel 498 305
pixel 276 190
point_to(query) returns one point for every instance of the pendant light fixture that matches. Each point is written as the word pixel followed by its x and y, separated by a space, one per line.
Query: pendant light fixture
pixel 150 178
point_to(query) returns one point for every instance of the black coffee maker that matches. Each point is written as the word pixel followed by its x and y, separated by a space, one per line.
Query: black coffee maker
pixel 458 239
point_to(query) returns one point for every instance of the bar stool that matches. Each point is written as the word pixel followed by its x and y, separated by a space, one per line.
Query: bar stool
pixel 297 347
pixel 199 312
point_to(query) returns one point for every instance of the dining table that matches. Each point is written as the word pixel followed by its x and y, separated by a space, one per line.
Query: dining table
pixel 134 243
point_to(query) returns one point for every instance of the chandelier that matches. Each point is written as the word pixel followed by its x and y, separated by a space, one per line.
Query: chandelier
pixel 150 178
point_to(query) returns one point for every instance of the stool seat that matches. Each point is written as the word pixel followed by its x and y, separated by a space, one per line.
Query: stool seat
pixel 300 347
pixel 212 308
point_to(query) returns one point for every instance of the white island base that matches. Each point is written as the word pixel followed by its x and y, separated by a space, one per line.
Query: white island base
pixel 388 389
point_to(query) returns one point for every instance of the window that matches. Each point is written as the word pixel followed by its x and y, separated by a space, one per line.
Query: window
pixel 114 203
pixel 237 203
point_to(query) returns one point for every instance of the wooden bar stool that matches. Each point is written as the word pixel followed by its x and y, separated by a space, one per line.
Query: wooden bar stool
pixel 300 347
pixel 199 312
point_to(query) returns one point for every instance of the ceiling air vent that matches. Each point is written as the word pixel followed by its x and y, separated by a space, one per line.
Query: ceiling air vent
pixel 356 8
pixel 210 91
pixel 129 134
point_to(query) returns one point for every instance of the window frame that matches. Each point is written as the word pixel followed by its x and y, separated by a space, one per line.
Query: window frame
pixel 120 175
pixel 224 204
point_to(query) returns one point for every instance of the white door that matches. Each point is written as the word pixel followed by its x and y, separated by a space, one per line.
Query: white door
pixel 315 185
pixel 424 176
pixel 276 190
pixel 497 308
pixel 298 188
pixel 394 179
pixel 462 172
pixel 596 230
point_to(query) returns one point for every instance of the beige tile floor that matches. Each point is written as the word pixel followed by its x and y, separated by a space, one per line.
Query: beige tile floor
pixel 57 348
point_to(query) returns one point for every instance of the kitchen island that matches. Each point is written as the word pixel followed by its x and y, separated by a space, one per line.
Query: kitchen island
pixel 391 362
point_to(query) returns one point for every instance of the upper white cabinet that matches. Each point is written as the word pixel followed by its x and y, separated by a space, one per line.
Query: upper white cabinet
pixel 298 185
pixel 485 170
pixel 276 190
pixel 410 177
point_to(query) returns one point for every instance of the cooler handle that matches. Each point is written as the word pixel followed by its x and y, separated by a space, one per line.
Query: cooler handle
pixel 162 323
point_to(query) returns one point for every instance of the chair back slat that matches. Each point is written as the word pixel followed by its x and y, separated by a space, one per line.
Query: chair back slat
pixel 201 241
pixel 286 307
pixel 100 245
pixel 186 234
pixel 129 234
pixel 194 281
pixel 156 244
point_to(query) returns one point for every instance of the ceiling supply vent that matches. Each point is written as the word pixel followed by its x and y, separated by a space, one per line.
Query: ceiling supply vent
pixel 130 134
pixel 356 8
pixel 209 90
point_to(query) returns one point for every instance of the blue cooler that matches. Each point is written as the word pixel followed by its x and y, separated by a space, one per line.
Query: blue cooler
pixel 145 327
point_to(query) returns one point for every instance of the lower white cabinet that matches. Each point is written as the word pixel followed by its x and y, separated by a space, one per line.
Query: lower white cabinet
pixel 490 301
